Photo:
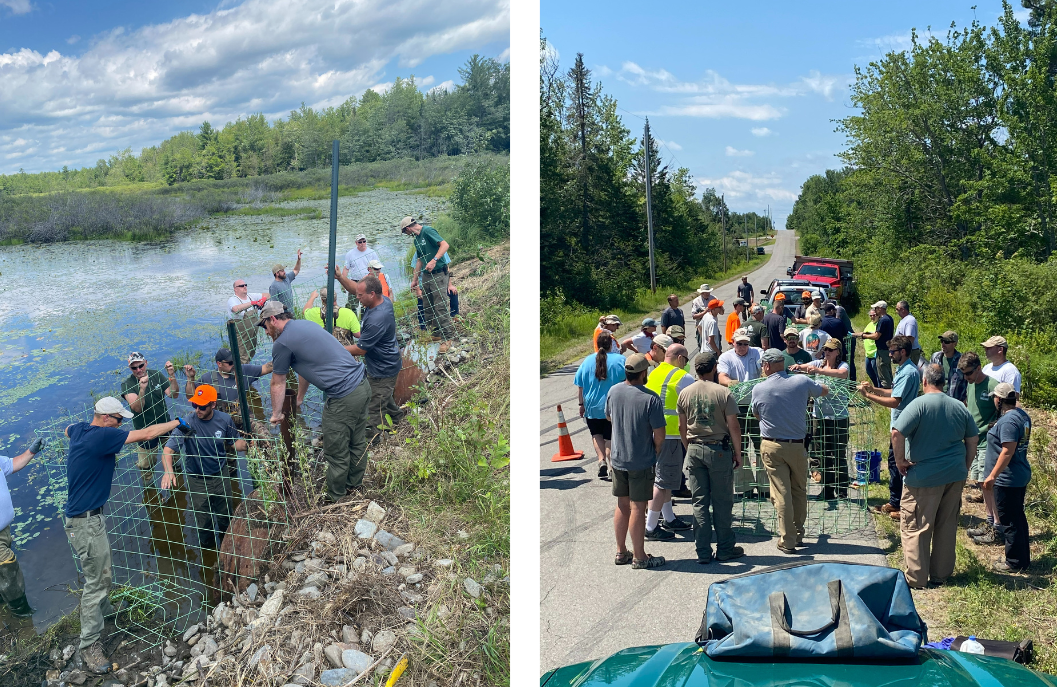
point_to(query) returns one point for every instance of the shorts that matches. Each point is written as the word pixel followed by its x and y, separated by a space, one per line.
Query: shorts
pixel 637 484
pixel 600 426
pixel 669 468
pixel 979 470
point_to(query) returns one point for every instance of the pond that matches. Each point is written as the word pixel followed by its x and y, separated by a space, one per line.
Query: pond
pixel 70 313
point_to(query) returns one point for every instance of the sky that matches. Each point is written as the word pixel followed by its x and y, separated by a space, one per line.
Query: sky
pixel 83 79
pixel 744 94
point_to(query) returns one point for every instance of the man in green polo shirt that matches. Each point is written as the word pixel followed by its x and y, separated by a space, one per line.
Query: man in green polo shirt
pixel 431 262
pixel 981 406
pixel 145 391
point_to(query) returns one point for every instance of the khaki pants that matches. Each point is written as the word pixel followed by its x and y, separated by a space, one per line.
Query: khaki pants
pixel 88 538
pixel 884 367
pixel 928 528
pixel 147 458
pixel 246 332
pixel 344 425
pixel 786 466
pixel 12 583
pixel 437 306
pixel 382 404
pixel 710 471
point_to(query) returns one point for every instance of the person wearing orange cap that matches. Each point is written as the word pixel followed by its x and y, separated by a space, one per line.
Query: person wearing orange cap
pixel 204 444
pixel 710 336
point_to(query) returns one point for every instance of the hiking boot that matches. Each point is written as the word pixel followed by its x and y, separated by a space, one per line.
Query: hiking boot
pixel 603 471
pixel 736 552
pixel 987 539
pixel 659 534
pixel 980 530
pixel 791 552
pixel 650 562
pixel 677 525
pixel 1001 565
pixel 94 659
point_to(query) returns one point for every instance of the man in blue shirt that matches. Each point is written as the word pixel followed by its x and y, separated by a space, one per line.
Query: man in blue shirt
pixel 90 463
pixel 205 449
pixel 904 389
pixel 1008 473
pixel 430 251
pixel 381 354
pixel 282 287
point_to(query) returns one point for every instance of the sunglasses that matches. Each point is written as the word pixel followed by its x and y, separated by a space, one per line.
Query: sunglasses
pixel 240 286
pixel 792 337
pixel 741 343
pixel 119 418
pixel 198 407
pixel 225 362
pixel 138 367
pixel 362 241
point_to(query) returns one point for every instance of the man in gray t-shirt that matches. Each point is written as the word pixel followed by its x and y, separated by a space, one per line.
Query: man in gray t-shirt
pixel 637 415
pixel 780 403
pixel 318 357
pixel 281 287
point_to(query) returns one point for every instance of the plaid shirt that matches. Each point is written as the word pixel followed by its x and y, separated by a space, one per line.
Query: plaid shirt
pixel 957 387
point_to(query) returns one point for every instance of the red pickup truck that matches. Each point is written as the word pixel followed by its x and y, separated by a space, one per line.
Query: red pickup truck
pixel 836 276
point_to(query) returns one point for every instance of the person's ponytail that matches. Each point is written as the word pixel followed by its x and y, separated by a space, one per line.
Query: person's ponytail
pixel 605 344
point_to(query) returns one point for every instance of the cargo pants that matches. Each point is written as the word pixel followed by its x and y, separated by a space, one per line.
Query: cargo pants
pixel 435 301
pixel 211 504
pixel 89 541
pixel 381 404
pixel 710 476
pixel 344 425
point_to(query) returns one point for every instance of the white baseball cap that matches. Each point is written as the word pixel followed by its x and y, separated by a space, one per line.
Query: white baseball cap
pixel 374 264
pixel 108 405
pixel 880 304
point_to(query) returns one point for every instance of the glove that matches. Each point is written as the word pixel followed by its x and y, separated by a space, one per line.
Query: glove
pixel 37 446
pixel 259 303
pixel 183 426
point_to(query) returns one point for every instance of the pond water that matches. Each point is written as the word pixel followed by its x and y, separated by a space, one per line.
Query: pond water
pixel 70 313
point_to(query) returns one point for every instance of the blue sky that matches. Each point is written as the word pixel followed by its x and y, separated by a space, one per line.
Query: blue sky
pixel 80 80
pixel 743 93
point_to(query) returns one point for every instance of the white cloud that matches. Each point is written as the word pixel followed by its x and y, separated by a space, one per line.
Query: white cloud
pixel 745 186
pixel 135 88
pixel 734 152
pixel 503 56
pixel 448 85
pixel 672 145
pixel 73 39
pixel 895 42
pixel 761 131
pixel 715 96
pixel 17 6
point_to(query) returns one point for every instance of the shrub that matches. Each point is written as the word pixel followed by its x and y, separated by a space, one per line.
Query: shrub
pixel 480 198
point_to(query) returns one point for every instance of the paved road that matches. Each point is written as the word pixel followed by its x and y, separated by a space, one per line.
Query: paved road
pixel 589 607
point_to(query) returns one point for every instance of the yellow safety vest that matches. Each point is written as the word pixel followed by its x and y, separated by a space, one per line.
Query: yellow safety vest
pixel 664 381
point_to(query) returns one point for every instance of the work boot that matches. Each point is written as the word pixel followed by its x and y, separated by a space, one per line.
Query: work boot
pixel 980 530
pixel 94 658
pixel 987 539
pixel 20 607
pixel 974 497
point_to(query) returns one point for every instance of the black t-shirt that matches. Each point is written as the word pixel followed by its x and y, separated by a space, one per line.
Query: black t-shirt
pixel 885 327
pixel 834 327
pixel 672 317
pixel 745 291
pixel 775 326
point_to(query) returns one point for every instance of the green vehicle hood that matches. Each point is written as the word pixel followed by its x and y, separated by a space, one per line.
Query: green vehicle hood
pixel 679 665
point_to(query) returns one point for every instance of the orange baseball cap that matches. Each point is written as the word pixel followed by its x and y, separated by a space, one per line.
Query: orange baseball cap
pixel 204 395
pixel 806 294
pixel 780 296
pixel 715 303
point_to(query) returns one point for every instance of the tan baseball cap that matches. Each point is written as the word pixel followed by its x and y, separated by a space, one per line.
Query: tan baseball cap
pixel 790 330
pixel 374 264
pixel 994 341
pixel 405 223
pixel 636 363
pixel 1004 390
pixel 675 331
pixel 833 343
pixel 663 340
pixel 277 268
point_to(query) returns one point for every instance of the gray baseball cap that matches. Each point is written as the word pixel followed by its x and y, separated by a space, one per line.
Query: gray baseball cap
pixel 270 309
pixel 773 355
pixel 705 358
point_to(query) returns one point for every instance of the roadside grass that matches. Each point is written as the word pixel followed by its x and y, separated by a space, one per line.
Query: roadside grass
pixel 566 328
pixel 448 471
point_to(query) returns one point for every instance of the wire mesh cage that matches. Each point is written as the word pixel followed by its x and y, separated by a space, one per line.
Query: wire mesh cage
pixel 840 425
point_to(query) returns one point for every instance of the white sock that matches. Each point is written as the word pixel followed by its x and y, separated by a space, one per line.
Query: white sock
pixel 652 519
pixel 666 509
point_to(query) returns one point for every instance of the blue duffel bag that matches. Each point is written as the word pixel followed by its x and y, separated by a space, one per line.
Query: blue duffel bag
pixel 813 610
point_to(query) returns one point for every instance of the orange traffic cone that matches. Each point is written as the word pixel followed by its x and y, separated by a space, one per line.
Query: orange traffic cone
pixel 565 443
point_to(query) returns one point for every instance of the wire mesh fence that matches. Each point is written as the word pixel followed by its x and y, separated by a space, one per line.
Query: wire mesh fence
pixel 177 548
pixel 841 428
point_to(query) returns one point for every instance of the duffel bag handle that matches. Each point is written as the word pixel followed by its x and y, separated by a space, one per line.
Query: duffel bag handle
pixel 779 606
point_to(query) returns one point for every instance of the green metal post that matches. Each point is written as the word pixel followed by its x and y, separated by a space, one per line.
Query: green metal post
pixel 332 256
pixel 240 380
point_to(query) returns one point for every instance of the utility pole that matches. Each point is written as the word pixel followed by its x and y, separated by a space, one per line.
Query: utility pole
pixel 723 224
pixel 649 209
pixel 755 232
pixel 745 233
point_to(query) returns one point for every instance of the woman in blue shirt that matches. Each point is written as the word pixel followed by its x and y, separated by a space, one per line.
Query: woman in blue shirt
pixel 597 374
pixel 1008 474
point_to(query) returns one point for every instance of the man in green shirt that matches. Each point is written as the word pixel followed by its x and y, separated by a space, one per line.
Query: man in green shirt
pixel 346 324
pixel 145 390
pixel 794 355
pixel 981 406
pixel 432 264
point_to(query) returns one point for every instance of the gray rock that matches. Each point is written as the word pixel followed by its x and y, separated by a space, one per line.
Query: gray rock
pixel 269 587
pixel 313 565
pixel 190 632
pixel 404 549
pixel 304 675
pixel 228 617
pixel 407 571
pixel 111 683
pixel 333 654
pixel 360 564
pixel 390 557
pixel 193 640
pixel 414 579
pixel 55 656
pixel 249 615
pixel 328 538
pixel 298 557
pixel 388 571
pixel 208 646
pixel 365 529
pixel 348 634
pixel 472 587
pixel 69 651
pixel 300 568
pixel 444 563
pixel 309 592
pixel 251 592
pixel 123 676
pixel 169 651
pixel 462 534
pixel 365 637
pixel 356 661
pixel 261 658
pixel 443 612
pixel 317 579
pixel 383 641
pixel 389 541
pixel 375 513
pixel 76 677
pixel 412 597
pixel 289 565
pixel 406 612
pixel 337 677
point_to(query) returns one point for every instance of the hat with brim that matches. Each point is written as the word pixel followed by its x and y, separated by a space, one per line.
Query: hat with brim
pixel 739 301
pixel 994 341
pixel 790 331
pixel 136 357
pixel 270 309
pixel 405 223
pixel 706 357
pixel 741 335
pixel 204 395
pixel 773 355
pixel 276 268
pixel 704 288
pixel 224 356
pixel 361 237
pixel 715 303
pixel 663 340
pixel 675 331
pixel 832 344
pixel 611 319
pixel 880 304
pixel 949 336
pixel 636 363
pixel 374 265
pixel 649 322
pixel 108 405
pixel 1005 391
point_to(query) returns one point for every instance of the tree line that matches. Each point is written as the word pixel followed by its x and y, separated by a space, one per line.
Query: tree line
pixel 593 227
pixel 403 122
pixel 951 167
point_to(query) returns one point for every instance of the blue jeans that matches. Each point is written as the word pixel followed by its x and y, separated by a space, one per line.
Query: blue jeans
pixel 871 371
